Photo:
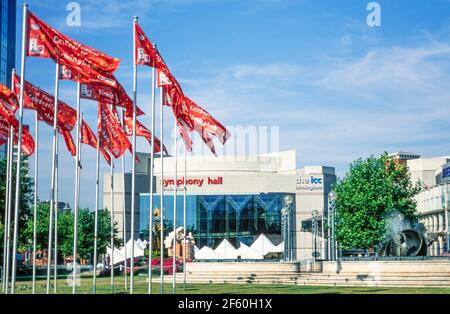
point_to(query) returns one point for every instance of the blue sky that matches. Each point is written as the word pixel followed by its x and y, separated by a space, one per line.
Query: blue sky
pixel 337 88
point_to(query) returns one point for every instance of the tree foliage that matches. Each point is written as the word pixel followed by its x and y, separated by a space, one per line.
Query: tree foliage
pixel 372 190
pixel 86 231
pixel 26 195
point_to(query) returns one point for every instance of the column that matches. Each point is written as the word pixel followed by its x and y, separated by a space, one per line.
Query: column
pixel 441 245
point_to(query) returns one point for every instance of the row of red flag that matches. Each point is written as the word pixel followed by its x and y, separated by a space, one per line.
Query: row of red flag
pixel 94 71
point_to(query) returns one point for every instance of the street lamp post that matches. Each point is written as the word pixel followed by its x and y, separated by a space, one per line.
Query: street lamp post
pixel 315 214
pixel 332 225
pixel 286 212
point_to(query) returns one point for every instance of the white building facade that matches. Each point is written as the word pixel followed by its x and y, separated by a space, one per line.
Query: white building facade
pixel 433 174
pixel 233 198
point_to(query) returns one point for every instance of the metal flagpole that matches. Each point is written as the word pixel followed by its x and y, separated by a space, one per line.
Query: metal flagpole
pixel 133 162
pixel 97 186
pixel 152 156
pixel 112 224
pixel 8 195
pixel 162 193
pixel 53 185
pixel 124 210
pixel 5 233
pixel 184 219
pixel 36 184
pixel 174 249
pixel 56 208
pixel 77 191
pixel 19 147
pixel 9 206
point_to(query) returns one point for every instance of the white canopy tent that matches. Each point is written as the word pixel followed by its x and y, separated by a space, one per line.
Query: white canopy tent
pixel 207 253
pixel 279 248
pixel 119 254
pixel 263 245
pixel 226 249
pixel 245 252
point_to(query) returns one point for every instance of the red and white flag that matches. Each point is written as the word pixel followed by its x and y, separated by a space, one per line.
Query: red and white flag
pixel 89 64
pixel 116 96
pixel 70 144
pixel 203 121
pixel 141 130
pixel 184 133
pixel 44 103
pixel 111 135
pixel 88 138
pixel 46 42
pixel 27 140
pixel 146 53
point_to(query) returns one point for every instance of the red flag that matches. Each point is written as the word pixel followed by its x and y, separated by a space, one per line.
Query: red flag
pixel 110 95
pixel 7 115
pixel 111 134
pixel 184 133
pixel 87 135
pixel 27 139
pixel 46 42
pixel 208 141
pixel 203 121
pixel 146 53
pixel 37 99
pixel 141 130
pixel 8 98
pixel 90 64
pixel 88 138
pixel 70 144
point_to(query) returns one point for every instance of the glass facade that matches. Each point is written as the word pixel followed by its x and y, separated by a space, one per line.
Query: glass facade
pixel 212 218
pixel 8 46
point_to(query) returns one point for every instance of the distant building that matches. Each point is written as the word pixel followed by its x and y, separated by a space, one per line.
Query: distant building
pixel 62 206
pixel 433 175
pixel 232 198
pixel 403 157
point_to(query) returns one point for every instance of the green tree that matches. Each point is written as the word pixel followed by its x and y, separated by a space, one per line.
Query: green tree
pixel 86 223
pixel 65 231
pixel 372 190
pixel 26 196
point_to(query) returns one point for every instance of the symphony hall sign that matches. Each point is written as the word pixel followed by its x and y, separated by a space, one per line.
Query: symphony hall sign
pixel 198 182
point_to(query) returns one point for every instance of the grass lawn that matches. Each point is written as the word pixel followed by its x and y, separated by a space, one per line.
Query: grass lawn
pixel 103 287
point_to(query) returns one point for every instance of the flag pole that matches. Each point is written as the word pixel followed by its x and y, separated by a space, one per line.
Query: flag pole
pixel 174 249
pixel 77 192
pixel 184 219
pixel 152 156
pixel 53 189
pixel 133 163
pixel 97 186
pixel 112 224
pixel 6 215
pixel 8 192
pixel 162 193
pixel 9 205
pixel 36 184
pixel 124 220
pixel 19 152
pixel 56 208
